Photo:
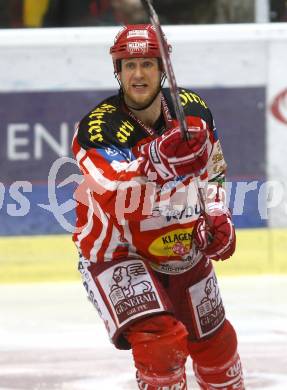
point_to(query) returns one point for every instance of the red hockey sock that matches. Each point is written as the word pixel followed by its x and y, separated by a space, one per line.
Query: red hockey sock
pixel 227 377
pixel 159 346
pixel 181 385
pixel 216 362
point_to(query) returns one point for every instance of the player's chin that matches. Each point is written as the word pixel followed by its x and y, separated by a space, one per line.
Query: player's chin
pixel 140 94
pixel 140 100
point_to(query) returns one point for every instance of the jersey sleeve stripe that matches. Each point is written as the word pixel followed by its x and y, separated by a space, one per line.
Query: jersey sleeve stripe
pixel 99 241
pixel 97 175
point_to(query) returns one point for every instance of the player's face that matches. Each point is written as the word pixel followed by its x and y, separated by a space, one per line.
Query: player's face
pixel 140 79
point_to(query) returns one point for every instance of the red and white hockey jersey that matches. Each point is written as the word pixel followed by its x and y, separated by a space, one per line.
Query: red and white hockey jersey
pixel 121 213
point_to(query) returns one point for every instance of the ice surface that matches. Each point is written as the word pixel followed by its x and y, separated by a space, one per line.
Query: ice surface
pixel 51 337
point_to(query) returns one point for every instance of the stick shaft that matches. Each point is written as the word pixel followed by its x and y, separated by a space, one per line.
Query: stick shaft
pixel 172 83
pixel 167 67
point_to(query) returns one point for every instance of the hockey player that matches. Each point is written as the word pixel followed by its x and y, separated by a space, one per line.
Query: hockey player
pixel 146 246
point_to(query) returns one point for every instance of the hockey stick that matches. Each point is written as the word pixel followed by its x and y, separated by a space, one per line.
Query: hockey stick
pixel 167 67
pixel 172 84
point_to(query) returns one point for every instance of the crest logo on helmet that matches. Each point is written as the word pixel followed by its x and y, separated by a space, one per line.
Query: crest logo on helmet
pixel 138 34
pixel 137 47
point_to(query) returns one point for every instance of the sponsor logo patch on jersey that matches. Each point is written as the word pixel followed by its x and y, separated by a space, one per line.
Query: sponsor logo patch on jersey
pixel 207 305
pixel 124 131
pixel 138 34
pixel 190 97
pixel 96 121
pixel 178 266
pixel 111 152
pixel 174 243
pixel 130 291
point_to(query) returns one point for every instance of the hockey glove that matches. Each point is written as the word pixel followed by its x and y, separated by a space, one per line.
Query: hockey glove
pixel 214 232
pixel 170 155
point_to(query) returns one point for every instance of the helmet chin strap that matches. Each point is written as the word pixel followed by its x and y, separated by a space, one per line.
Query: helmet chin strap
pixel 163 78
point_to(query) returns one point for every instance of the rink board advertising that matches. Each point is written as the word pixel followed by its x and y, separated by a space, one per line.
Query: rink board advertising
pixel 37 128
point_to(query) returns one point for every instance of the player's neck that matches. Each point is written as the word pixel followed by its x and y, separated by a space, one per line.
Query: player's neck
pixel 150 114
